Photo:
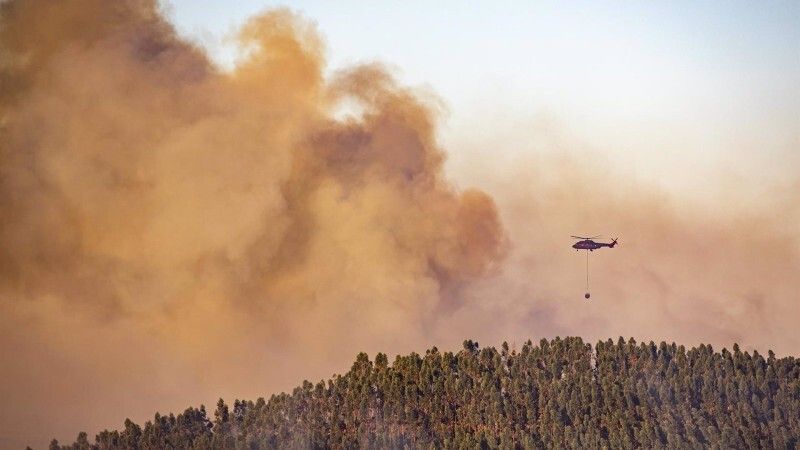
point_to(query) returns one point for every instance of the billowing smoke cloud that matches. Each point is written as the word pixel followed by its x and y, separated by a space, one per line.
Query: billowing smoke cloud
pixel 172 233
pixel 159 215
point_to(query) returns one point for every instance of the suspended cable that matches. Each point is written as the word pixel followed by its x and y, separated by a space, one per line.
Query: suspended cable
pixel 587 295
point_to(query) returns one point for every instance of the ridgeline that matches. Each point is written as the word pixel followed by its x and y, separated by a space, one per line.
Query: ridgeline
pixel 560 393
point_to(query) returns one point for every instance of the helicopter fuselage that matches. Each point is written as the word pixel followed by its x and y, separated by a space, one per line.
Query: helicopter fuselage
pixel 591 245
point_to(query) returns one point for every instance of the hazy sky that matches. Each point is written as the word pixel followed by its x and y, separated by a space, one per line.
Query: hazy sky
pixel 671 92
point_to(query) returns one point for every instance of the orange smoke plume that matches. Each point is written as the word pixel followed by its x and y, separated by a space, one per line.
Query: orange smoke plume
pixel 160 215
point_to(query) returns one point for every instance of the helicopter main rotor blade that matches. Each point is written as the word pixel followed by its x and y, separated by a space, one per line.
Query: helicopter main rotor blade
pixel 581 237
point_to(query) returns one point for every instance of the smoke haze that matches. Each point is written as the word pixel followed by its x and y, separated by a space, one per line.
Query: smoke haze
pixel 172 233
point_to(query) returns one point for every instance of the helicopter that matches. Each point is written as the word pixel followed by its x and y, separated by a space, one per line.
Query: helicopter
pixel 586 243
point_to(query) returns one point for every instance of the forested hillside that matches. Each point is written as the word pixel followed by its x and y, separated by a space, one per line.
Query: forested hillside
pixel 560 393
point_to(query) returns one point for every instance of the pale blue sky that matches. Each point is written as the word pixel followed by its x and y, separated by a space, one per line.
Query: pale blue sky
pixel 671 90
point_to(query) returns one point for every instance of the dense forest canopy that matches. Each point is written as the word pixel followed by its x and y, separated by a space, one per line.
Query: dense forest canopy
pixel 560 393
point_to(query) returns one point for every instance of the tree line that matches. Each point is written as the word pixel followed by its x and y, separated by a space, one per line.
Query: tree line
pixel 557 394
